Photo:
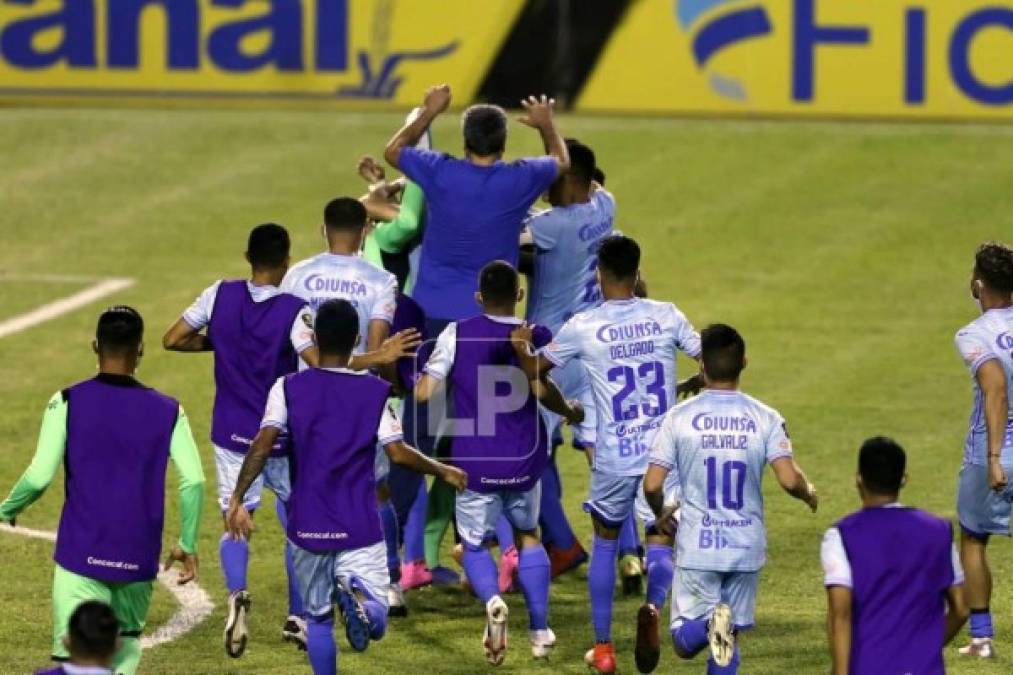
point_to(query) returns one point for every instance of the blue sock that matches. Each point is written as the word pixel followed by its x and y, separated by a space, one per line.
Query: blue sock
pixel 691 636
pixel 320 645
pixel 629 536
pixel 415 527
pixel 533 573
pixel 235 556
pixel 504 534
pixel 731 669
pixel 659 573
pixel 601 581
pixel 981 623
pixel 481 571
pixel 295 606
pixel 556 530
pixel 388 520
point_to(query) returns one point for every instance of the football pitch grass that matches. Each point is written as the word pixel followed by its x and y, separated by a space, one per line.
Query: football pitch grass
pixel 841 251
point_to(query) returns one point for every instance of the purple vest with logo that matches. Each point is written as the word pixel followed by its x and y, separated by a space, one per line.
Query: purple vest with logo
pixel 508 448
pixel 409 314
pixel 901 569
pixel 253 348
pixel 332 423
pixel 118 437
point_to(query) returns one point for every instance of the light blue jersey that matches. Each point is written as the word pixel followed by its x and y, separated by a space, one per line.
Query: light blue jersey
pixel 988 337
pixel 566 241
pixel 629 350
pixel 718 444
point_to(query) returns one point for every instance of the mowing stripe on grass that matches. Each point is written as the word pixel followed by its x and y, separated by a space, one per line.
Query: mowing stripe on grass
pixel 62 306
pixel 194 603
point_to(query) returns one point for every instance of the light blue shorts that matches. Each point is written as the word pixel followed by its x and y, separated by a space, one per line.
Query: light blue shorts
pixel 980 509
pixel 275 476
pixel 477 512
pixel 318 575
pixel 695 593
pixel 611 498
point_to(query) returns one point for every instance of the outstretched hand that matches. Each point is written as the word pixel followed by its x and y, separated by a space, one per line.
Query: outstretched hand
pixel 401 344
pixel 370 170
pixel 537 111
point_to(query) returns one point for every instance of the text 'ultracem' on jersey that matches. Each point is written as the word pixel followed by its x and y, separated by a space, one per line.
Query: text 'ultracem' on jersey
pixel 629 348
pixel 718 445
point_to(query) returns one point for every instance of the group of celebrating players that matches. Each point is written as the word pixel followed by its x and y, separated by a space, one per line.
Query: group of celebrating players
pixel 343 379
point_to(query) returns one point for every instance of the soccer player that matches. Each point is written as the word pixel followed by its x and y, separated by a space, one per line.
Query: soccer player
pixel 566 239
pixel 717 444
pixel 629 346
pixel 257 333
pixel 891 607
pixel 334 417
pixel 114 437
pixel 984 497
pixel 505 462
pixel 92 639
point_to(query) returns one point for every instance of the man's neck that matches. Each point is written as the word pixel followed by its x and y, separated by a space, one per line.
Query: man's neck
pixel 115 365
pixel 991 300
pixel 723 386
pixel 482 160
pixel 491 310
pixel 267 277
pixel 334 360
pixel 343 246
pixel 870 501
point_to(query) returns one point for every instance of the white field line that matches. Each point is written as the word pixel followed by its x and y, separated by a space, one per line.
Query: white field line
pixel 194 603
pixel 51 310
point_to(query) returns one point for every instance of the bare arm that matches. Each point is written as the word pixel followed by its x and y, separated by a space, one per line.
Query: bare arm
pixel 956 612
pixel 401 344
pixel 182 337
pixel 410 458
pixel 255 460
pixel 436 100
pixel 552 398
pixel 992 381
pixel 790 477
pixel 426 386
pixel 839 628
pixel 311 355
pixel 654 487
pixel 539 115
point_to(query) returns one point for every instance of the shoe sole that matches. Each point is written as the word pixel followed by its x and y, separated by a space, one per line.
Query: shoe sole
pixel 356 623
pixel 720 636
pixel 648 649
pixel 495 641
pixel 236 632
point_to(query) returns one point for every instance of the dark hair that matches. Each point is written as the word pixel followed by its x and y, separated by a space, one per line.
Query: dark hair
pixel 723 352
pixel 619 257
pixel 598 176
pixel 640 290
pixel 93 630
pixel 345 213
pixel 485 129
pixel 993 264
pixel 581 161
pixel 498 283
pixel 881 463
pixel 120 330
pixel 268 246
pixel 336 327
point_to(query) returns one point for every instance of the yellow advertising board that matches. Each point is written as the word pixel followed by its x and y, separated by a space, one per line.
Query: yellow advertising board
pixel 883 58
pixel 380 51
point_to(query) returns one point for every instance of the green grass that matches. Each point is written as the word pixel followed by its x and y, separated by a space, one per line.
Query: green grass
pixel 841 251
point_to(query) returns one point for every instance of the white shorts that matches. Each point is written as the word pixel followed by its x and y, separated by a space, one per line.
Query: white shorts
pixel 318 575
pixel 695 593
pixel 477 512
pixel 275 476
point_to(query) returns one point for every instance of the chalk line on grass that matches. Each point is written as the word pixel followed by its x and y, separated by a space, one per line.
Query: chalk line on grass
pixel 194 603
pixel 51 310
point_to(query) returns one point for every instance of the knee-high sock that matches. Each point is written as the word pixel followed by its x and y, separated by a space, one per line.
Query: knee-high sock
pixel 481 571
pixel 601 580
pixel 128 657
pixel 415 526
pixel 659 573
pixel 691 636
pixel 533 573
pixel 441 508
pixel 731 669
pixel 629 536
pixel 504 534
pixel 981 623
pixel 295 606
pixel 388 520
pixel 556 530
pixel 320 645
pixel 235 557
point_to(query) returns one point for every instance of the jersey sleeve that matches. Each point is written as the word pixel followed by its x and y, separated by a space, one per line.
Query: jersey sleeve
pixel 49 453
pixel 442 359
pixel 392 236
pixel 836 566
pixel 389 430
pixel 541 336
pixel 384 304
pixel 778 443
pixel 663 449
pixel 686 337
pixel 541 173
pixel 276 411
pixel 421 166
pixel 301 334
pixel 564 347
pixel 974 349
pixel 186 458
pixel 544 229
pixel 198 314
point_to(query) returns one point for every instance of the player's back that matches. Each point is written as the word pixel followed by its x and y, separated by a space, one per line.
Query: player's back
pixel 720 442
pixel 988 337
pixel 629 349
pixel 566 241
pixel 328 276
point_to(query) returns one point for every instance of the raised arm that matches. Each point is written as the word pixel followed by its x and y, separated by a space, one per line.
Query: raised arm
pixel 436 100
pixel 791 478
pixel 538 114
pixel 49 453
pixel 992 380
